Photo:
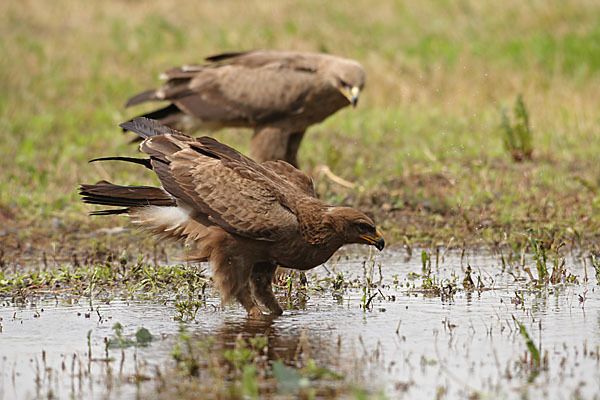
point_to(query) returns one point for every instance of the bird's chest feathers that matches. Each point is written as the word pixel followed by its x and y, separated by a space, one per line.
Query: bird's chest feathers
pixel 321 103
pixel 304 256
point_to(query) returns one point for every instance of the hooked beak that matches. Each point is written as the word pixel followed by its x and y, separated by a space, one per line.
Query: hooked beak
pixel 376 241
pixel 351 94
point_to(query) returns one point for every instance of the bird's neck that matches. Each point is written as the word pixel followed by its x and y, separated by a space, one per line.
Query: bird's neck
pixel 317 226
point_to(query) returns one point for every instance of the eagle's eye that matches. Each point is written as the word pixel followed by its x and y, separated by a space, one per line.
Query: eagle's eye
pixel 363 227
pixel 344 84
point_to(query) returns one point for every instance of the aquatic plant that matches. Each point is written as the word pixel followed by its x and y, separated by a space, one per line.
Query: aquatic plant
pixel 596 265
pixel 531 347
pixel 142 338
pixel 532 362
pixel 547 251
pixel 539 255
pixel 137 279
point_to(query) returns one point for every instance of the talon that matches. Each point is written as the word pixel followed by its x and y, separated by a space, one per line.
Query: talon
pixel 277 311
pixel 255 313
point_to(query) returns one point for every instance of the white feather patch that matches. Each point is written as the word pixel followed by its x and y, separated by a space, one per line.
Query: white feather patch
pixel 169 217
pixel 191 68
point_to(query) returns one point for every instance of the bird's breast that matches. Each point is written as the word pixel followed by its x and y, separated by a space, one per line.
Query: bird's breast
pixel 303 256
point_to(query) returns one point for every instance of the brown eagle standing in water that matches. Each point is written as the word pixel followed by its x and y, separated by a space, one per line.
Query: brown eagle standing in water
pixel 279 94
pixel 245 218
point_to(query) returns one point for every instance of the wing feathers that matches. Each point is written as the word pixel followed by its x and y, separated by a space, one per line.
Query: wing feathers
pixel 215 181
pixel 236 193
pixel 146 127
pixel 298 178
pixel 225 56
pixel 111 212
pixel 184 72
pixel 142 161
pixel 141 97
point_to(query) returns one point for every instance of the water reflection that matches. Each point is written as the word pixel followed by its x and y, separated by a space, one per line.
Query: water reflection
pixel 287 340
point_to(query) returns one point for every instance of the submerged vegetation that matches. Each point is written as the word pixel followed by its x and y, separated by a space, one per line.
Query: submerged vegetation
pixel 91 280
pixel 354 329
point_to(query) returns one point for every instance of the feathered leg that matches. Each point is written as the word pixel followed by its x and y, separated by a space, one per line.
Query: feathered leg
pixel 268 144
pixel 244 296
pixel 260 282
pixel 232 277
pixel 293 144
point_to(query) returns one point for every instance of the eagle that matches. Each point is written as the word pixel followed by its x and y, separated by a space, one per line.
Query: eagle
pixel 278 94
pixel 243 217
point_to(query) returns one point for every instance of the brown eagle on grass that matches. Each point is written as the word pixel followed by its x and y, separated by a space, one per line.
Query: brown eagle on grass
pixel 279 94
pixel 245 218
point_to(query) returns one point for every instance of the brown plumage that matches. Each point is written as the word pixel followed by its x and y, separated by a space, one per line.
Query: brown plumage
pixel 279 94
pixel 245 218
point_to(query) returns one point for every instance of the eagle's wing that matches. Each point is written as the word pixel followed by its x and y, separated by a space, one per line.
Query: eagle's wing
pixel 261 58
pixel 236 193
pixel 293 175
pixel 251 95
pixel 251 88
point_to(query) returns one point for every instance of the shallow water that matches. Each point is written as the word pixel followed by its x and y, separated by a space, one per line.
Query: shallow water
pixel 410 343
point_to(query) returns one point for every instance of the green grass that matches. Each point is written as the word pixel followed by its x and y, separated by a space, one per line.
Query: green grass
pixel 426 140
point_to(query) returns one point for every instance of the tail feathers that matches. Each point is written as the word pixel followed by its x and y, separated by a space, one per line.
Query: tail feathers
pixel 107 194
pixel 180 223
pixel 141 98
